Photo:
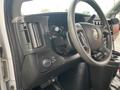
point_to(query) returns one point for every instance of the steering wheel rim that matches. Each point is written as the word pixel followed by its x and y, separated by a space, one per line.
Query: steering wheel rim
pixel 75 39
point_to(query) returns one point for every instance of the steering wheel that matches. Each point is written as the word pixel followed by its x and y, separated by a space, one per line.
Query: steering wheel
pixel 87 38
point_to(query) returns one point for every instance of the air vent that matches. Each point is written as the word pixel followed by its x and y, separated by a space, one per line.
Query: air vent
pixel 34 34
pixel 30 35
pixel 30 32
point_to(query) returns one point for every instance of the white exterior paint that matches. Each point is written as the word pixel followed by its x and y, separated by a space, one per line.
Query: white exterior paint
pixel 7 49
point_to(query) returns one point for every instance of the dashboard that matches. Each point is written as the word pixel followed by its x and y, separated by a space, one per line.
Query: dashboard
pixel 58 30
pixel 46 48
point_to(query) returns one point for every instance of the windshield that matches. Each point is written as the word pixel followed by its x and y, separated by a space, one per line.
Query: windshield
pixel 44 6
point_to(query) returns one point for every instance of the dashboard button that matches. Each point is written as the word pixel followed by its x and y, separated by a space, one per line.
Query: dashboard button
pixel 47 63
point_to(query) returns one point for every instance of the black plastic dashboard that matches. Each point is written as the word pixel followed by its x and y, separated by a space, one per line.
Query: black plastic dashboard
pixel 47 50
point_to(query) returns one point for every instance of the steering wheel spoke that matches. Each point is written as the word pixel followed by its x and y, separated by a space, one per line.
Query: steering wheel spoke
pixel 83 38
